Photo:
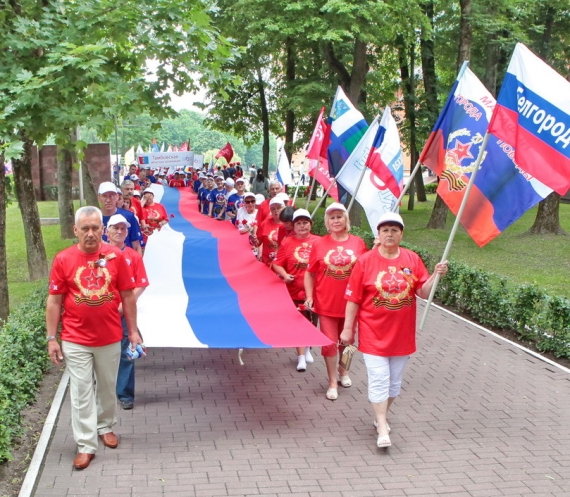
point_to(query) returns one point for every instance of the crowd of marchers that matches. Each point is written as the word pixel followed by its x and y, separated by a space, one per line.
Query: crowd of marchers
pixel 349 292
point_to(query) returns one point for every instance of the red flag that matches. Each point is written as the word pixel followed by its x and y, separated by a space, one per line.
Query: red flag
pixel 317 155
pixel 183 147
pixel 227 152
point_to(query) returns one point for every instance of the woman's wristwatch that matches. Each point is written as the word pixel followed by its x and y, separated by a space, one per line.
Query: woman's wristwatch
pixel 49 338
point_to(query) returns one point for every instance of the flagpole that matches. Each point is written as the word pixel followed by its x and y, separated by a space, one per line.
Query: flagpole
pixel 456 225
pixel 333 182
pixel 407 186
pixel 356 189
pixel 310 191
pixel 298 184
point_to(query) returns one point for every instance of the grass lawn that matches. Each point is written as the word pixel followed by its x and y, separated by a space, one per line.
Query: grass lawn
pixel 19 285
pixel 522 259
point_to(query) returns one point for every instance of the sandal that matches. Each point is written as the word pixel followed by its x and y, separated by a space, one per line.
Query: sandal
pixel 345 381
pixel 332 394
pixel 383 441
pixel 375 423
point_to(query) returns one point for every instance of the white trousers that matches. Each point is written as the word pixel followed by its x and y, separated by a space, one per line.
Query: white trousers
pixel 384 376
pixel 92 386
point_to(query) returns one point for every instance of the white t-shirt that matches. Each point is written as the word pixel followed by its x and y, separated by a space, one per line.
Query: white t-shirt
pixel 245 221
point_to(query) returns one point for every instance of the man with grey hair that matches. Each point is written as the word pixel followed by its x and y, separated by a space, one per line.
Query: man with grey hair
pixel 88 282
pixel 263 210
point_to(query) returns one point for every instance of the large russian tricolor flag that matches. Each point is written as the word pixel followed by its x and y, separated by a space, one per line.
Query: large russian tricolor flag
pixel 502 190
pixel 533 115
pixel 208 290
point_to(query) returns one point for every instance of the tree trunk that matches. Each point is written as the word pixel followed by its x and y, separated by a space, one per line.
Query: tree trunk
pixel 24 187
pixel 4 297
pixel 438 216
pixel 547 219
pixel 428 64
pixel 406 73
pixel 264 121
pixel 290 113
pixel 65 191
pixel 89 191
pixel 465 33
pixel 492 65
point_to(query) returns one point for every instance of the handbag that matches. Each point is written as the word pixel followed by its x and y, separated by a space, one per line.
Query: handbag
pixel 346 357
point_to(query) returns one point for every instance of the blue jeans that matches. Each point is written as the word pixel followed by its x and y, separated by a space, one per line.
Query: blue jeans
pixel 126 374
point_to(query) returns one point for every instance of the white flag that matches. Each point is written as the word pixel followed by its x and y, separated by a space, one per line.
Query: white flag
pixel 373 195
pixel 130 156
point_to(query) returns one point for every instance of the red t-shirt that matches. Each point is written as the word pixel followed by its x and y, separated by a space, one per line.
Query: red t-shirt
pixel 332 263
pixel 135 261
pixel 177 183
pixel 263 212
pixel 267 235
pixel 90 294
pixel 385 290
pixel 293 256
pixel 154 214
pixel 136 208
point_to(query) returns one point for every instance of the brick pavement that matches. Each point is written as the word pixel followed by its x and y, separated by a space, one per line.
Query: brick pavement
pixel 477 417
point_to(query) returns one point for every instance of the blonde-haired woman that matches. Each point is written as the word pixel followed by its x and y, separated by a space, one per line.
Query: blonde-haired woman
pixel 330 265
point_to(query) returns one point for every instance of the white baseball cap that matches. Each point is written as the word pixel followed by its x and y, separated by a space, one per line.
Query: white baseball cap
pixel 276 200
pixel 107 187
pixel 390 217
pixel 301 213
pixel 117 219
pixel 335 206
pixel 259 199
pixel 229 182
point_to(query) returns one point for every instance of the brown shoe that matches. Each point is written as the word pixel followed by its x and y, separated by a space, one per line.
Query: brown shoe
pixel 109 440
pixel 82 460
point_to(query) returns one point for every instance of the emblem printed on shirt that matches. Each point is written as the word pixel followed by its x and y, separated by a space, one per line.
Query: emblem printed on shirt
pixel 301 254
pixel 394 288
pixel 93 283
pixel 339 263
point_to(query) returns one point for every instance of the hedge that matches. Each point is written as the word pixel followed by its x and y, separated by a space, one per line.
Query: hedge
pixel 23 363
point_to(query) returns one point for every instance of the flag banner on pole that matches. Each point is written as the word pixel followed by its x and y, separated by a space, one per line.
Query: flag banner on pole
pixel 284 168
pixel 227 152
pixel 163 146
pixel 183 147
pixel 130 156
pixel 502 191
pixel 347 128
pixel 317 153
pixel 533 115
pixel 373 195
pixel 386 159
pixel 172 160
pixel 140 149
pixel 208 290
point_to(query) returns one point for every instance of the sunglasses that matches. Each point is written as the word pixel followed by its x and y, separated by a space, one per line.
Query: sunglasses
pixel 249 201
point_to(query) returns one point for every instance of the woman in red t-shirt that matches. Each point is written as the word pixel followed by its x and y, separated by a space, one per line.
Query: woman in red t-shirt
pixel 382 292
pixel 291 264
pixel 330 265
pixel 154 213
pixel 267 234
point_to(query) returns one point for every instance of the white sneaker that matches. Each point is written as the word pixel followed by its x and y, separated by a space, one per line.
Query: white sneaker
pixel 301 364
pixel 308 356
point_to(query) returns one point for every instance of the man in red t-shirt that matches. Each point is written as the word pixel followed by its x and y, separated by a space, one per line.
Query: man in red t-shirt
pixel 88 282
pixel 117 231
pixel 263 210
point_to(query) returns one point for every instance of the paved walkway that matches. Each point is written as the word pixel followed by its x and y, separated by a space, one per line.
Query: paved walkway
pixel 477 417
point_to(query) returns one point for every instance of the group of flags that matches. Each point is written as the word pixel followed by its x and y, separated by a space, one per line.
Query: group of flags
pixel 519 146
